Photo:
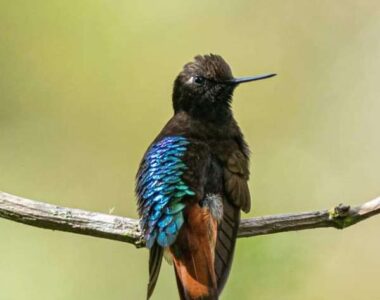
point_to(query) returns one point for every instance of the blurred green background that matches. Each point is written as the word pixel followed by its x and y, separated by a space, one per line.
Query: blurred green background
pixel 86 85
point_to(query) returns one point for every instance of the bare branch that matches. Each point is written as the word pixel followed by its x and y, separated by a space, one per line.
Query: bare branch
pixel 49 216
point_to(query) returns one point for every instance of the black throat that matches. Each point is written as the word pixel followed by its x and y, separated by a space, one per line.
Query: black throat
pixel 209 115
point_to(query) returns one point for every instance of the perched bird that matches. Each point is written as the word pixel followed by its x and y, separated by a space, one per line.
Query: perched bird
pixel 192 181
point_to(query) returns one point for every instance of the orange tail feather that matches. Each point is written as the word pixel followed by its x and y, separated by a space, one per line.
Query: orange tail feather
pixel 193 256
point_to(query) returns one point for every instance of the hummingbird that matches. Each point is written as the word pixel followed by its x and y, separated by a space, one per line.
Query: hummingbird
pixel 192 182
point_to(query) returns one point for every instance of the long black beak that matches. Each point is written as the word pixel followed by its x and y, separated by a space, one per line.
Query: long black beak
pixel 249 79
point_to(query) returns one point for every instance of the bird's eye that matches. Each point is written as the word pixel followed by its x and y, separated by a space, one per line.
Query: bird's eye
pixel 199 79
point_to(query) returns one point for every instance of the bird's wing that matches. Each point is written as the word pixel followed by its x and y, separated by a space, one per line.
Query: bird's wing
pixel 237 197
pixel 236 175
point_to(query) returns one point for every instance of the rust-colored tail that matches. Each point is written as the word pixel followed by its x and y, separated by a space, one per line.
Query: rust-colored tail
pixel 193 256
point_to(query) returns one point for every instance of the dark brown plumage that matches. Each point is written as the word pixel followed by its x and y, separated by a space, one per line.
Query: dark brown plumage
pixel 217 171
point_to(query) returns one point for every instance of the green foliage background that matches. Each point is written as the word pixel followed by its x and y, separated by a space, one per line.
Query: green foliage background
pixel 86 85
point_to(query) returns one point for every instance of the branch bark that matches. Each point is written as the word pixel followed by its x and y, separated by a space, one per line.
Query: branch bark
pixel 49 216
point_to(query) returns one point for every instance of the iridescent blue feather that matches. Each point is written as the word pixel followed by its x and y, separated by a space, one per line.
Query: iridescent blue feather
pixel 160 190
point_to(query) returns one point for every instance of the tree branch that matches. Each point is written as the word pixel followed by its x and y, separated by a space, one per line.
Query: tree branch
pixel 49 216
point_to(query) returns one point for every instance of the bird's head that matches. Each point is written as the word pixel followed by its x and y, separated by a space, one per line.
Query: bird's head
pixel 205 86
